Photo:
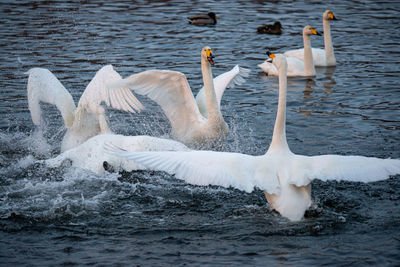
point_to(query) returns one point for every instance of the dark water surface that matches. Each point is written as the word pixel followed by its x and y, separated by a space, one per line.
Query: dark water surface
pixel 70 216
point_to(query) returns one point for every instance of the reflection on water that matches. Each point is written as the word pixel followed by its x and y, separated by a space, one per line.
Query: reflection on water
pixel 71 216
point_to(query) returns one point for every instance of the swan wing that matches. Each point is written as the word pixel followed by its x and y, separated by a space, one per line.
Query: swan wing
pixel 43 86
pixel 98 92
pixel 236 76
pixel 206 167
pixel 169 89
pixel 346 168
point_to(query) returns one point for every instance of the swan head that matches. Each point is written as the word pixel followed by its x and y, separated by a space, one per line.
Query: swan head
pixel 279 60
pixel 328 15
pixel 206 54
pixel 308 30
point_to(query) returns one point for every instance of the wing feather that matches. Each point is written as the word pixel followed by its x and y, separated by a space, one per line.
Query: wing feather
pixel 97 92
pixel 206 167
pixel 346 168
pixel 43 86
pixel 170 90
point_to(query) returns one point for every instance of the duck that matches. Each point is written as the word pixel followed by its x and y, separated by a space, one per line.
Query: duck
pixel 88 118
pixel 203 19
pixel 275 28
pixel 91 156
pixel 284 176
pixel 195 125
pixel 296 67
pixel 322 57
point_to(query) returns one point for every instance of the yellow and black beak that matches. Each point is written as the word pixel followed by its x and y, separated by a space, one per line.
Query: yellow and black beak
pixel 271 57
pixel 332 17
pixel 314 31
pixel 210 57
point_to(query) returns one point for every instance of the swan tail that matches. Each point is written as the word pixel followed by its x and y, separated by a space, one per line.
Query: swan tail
pixel 268 68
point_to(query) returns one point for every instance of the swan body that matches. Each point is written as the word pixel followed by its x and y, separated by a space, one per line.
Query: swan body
pixel 284 176
pixel 322 57
pixel 88 118
pixel 90 155
pixel 296 67
pixel 171 91
pixel 275 28
pixel 203 19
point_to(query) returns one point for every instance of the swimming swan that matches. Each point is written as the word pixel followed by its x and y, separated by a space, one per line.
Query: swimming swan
pixel 88 119
pixel 91 156
pixel 284 176
pixel 171 91
pixel 322 57
pixel 296 67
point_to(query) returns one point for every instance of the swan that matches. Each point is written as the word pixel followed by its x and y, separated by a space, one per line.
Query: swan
pixel 191 124
pixel 88 119
pixel 91 156
pixel 322 57
pixel 275 28
pixel 296 67
pixel 203 19
pixel 284 176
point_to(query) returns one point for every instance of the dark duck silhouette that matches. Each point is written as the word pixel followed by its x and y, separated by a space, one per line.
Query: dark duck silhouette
pixel 204 19
pixel 275 28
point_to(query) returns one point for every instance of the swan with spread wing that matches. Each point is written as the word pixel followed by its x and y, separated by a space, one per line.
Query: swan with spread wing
pixel 88 119
pixel 194 122
pixel 284 176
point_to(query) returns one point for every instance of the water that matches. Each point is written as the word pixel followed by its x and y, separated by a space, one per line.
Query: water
pixel 68 216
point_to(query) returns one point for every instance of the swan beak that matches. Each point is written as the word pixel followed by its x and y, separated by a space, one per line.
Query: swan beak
pixel 271 57
pixel 210 57
pixel 332 17
pixel 314 31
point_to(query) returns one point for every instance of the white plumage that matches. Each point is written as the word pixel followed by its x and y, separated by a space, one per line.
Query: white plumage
pixel 297 67
pixel 284 176
pixel 321 57
pixel 88 119
pixel 90 155
pixel 171 90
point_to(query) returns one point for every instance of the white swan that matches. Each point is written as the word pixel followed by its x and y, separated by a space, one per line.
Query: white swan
pixel 284 176
pixel 171 91
pixel 90 155
pixel 88 119
pixel 322 57
pixel 296 67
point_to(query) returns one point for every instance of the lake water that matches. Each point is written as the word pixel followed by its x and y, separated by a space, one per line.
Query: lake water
pixel 69 216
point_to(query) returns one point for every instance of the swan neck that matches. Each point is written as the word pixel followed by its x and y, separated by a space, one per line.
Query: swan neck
pixel 309 69
pixel 211 98
pixel 330 56
pixel 279 135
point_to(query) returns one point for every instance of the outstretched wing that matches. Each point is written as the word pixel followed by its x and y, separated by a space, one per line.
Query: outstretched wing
pixel 207 167
pixel 171 91
pixel 236 76
pixel 97 92
pixel 347 168
pixel 43 86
